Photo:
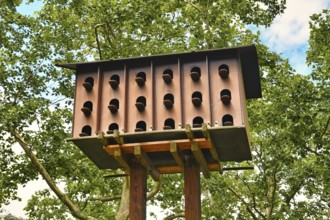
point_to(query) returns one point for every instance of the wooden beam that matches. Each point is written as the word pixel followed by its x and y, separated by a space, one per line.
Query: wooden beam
pixel 207 136
pixel 205 131
pixel 143 158
pixel 122 160
pixel 102 139
pixel 212 149
pixel 169 169
pixel 237 168
pixel 176 155
pixel 117 137
pixel 159 146
pixel 198 154
pixel 189 132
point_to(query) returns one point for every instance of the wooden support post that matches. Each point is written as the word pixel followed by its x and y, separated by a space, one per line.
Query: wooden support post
pixel 192 189
pixel 138 191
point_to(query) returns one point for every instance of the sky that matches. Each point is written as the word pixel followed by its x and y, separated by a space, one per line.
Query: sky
pixel 288 35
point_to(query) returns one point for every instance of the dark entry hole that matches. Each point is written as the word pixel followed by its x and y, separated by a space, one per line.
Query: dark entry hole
pixel 196 99
pixel 227 120
pixel 112 127
pixel 195 74
pixel 87 108
pixel 141 103
pixel 88 83
pixel 197 122
pixel 114 81
pixel 86 131
pixel 169 124
pixel 168 101
pixel 168 76
pixel 223 71
pixel 113 105
pixel 225 96
pixel 140 78
pixel 140 126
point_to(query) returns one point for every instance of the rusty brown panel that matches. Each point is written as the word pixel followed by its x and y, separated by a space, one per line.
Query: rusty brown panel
pixel 135 91
pixel 113 90
pixel 189 86
pixel 82 96
pixel 167 86
pixel 234 108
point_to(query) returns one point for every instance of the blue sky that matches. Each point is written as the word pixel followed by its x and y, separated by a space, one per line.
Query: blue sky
pixel 288 35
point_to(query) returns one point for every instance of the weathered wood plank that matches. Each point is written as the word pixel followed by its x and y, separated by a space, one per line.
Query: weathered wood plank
pixel 212 149
pixel 168 169
pixel 116 136
pixel 159 146
pixel 122 160
pixel 189 132
pixel 176 155
pixel 199 156
pixel 143 158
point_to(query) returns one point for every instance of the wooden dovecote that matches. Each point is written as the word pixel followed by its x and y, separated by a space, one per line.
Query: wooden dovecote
pixel 164 103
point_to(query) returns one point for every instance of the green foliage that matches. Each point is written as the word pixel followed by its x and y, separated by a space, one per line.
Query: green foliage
pixel 289 125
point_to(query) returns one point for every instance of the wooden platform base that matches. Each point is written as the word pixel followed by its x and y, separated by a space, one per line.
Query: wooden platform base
pixel 200 148
pixel 162 150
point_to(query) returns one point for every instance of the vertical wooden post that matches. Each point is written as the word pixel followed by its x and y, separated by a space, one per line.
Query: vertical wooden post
pixel 192 189
pixel 138 189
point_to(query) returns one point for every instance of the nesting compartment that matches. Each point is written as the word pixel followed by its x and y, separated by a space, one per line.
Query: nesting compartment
pixel 150 99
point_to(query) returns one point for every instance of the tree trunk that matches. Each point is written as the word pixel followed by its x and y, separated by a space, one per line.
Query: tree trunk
pixel 123 211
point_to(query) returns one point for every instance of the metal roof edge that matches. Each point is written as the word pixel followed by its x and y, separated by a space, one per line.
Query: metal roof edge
pixel 249 62
pixel 74 66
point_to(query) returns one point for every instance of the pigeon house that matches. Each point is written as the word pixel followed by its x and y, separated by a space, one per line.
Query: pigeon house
pixel 159 107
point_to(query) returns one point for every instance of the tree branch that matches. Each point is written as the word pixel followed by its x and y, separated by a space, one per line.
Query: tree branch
pixel 155 189
pixel 74 210
pixel 326 127
pixel 243 201
pixel 174 216
pixel 97 39
pixel 272 194
pixel 253 198
pixel 310 150
pixel 123 211
pixel 105 198
pixel 288 198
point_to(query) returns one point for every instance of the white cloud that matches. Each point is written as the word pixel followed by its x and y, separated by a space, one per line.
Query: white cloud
pixel 289 32
pixel 291 29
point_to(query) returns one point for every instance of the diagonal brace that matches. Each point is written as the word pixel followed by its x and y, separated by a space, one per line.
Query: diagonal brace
pixel 199 156
pixel 120 156
pixel 143 158
pixel 176 155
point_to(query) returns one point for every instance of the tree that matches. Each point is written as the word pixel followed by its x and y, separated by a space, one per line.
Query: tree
pixel 289 125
